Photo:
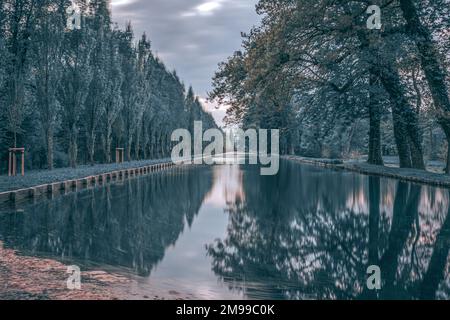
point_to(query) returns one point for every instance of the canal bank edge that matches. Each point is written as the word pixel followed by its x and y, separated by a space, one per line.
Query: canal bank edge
pixel 410 175
pixel 74 185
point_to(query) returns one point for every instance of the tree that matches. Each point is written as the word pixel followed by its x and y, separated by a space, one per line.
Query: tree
pixel 74 86
pixel 47 53
pixel 99 24
pixel 112 94
pixel 143 92
pixel 20 18
pixel 433 69
pixel 129 87
pixel 64 91
pixel 321 53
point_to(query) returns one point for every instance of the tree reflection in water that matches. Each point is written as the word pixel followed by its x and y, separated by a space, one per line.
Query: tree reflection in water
pixel 128 225
pixel 305 233
pixel 311 233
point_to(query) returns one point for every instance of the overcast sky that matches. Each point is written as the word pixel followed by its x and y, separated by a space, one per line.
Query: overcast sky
pixel 191 36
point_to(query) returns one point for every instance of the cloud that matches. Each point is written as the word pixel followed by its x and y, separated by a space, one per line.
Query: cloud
pixel 204 9
pixel 116 3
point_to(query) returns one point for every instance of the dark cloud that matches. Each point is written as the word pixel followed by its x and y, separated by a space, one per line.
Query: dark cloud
pixel 191 36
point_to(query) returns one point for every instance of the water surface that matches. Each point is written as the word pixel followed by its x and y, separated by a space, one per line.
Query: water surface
pixel 227 232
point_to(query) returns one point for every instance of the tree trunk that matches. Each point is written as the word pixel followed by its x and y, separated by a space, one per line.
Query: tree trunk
pixel 166 146
pixel 91 147
pixel 152 145
pixel 375 156
pixel 137 144
pixel 160 149
pixel 447 135
pixel 129 145
pixel 431 146
pixel 163 146
pixel 434 71
pixel 49 146
pixel 415 143
pixel 108 144
pixel 73 148
pixel 145 151
pixel 292 140
pixel 447 167
pixel 401 139
pixel 407 119
pixel 145 143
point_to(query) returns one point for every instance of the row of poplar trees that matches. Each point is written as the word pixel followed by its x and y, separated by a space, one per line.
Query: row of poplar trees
pixel 72 96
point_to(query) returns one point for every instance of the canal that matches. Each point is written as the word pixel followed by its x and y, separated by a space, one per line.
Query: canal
pixel 226 232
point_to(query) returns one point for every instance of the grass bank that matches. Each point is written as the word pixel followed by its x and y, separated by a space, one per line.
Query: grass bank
pixel 411 175
pixel 42 177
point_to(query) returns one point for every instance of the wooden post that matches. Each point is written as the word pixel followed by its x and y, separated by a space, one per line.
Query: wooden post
pixel 14 164
pixel 23 162
pixel 120 155
pixel 12 161
pixel 9 164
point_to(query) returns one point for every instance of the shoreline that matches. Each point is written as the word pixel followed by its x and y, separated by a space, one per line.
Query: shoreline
pixel 24 277
pixel 409 175
pixel 30 278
